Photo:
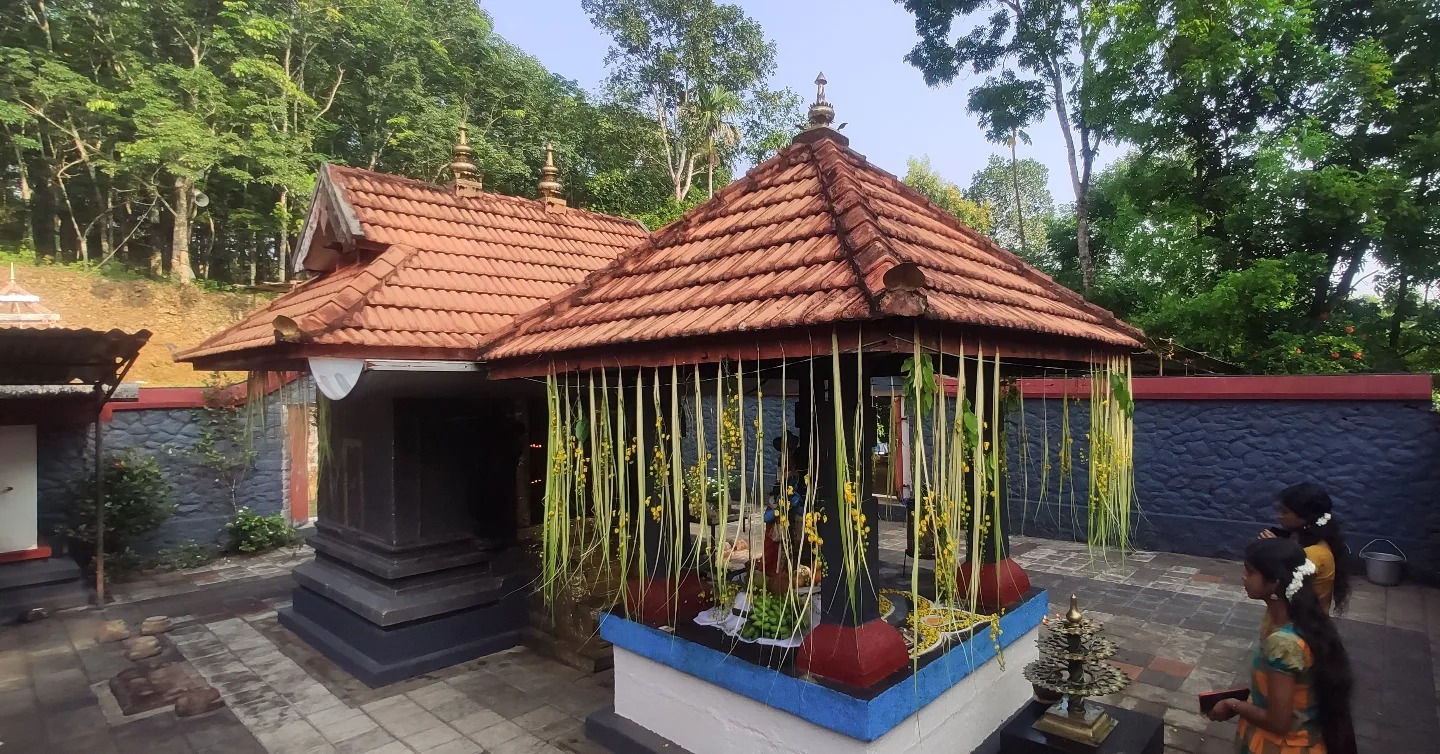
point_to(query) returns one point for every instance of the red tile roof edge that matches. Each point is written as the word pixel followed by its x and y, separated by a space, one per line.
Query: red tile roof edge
pixel 857 228
pixel 395 256
pixel 517 200
pixel 634 255
pixel 1022 267
pixel 310 324
pixel 893 336
pixel 843 155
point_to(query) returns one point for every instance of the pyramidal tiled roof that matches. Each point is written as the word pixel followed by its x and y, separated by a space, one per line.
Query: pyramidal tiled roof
pixel 21 308
pixel 815 235
pixel 434 272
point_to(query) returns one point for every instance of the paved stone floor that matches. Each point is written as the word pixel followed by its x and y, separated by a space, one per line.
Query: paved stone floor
pixel 1182 623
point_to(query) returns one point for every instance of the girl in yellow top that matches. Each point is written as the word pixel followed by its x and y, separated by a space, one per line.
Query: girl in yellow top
pixel 1306 515
pixel 1300 680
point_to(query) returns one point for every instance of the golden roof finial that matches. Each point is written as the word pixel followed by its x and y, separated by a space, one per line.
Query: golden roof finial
pixel 821 113
pixel 550 186
pixel 467 178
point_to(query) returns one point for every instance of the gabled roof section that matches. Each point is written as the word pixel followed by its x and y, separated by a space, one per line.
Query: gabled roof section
pixel 429 273
pixel 21 308
pixel 814 236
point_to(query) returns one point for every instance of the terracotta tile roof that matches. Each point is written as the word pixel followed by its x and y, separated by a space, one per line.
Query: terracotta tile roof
pixel 813 236
pixel 21 308
pixel 435 270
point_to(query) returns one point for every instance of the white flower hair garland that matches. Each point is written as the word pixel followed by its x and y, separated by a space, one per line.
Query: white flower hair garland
pixel 1324 519
pixel 1298 577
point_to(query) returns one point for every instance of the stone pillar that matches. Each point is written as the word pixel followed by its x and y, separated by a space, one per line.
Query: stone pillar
pixel 658 596
pixel 1002 581
pixel 400 585
pixel 852 644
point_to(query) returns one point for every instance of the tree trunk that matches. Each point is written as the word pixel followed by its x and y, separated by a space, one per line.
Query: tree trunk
pixel 282 240
pixel 254 254
pixel 81 240
pixel 180 236
pixel 1077 183
pixel 1019 210
pixel 1402 301
pixel 27 239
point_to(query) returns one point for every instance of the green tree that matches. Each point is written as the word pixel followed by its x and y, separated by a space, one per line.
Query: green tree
pixel 920 176
pixel 1054 42
pixel 713 109
pixel 666 53
pixel 1018 194
pixel 1271 137
pixel 1006 107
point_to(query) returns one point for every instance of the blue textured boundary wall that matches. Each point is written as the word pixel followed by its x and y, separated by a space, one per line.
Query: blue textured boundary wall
pixel 1207 471
pixel 169 435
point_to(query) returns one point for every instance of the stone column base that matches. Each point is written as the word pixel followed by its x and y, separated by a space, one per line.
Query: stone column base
pixel 383 630
pixel 379 655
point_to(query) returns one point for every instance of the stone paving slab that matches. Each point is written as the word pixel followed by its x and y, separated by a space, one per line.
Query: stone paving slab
pixel 226 570
pixel 1182 623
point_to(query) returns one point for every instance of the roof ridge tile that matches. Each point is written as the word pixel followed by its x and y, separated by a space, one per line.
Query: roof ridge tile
pixel 856 227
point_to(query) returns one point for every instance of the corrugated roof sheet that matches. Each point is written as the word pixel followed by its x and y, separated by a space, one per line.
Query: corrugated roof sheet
pixel 810 237
pixel 61 356
pixel 453 268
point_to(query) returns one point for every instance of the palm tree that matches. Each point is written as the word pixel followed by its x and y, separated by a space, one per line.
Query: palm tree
pixel 713 108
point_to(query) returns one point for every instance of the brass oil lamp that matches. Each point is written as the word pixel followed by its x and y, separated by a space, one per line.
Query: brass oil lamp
pixel 1072 664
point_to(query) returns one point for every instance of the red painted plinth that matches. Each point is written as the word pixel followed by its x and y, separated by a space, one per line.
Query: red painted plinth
pixel 1001 584
pixel 861 656
pixel 663 602
pixel 38 552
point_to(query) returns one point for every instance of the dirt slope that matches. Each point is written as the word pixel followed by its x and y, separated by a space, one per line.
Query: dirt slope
pixel 177 316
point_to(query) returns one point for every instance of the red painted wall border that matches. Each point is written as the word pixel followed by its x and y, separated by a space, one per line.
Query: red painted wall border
pixel 1325 387
pixel 151 398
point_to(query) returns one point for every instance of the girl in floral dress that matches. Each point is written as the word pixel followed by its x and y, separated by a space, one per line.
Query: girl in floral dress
pixel 1300 678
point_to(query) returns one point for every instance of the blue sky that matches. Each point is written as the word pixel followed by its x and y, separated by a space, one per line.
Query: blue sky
pixel 859 44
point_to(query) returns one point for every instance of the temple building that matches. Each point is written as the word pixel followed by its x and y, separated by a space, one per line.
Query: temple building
pixel 439 321
pixel 819 266
pixel 425 466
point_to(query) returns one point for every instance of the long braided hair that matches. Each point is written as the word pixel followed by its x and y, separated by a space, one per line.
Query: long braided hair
pixel 1311 503
pixel 1276 560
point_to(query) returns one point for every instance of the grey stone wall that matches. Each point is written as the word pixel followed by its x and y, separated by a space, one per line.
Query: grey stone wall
pixel 776 415
pixel 206 498
pixel 1206 472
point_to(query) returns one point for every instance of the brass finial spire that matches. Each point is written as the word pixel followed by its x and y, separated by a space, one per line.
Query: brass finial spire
pixel 1074 615
pixel 821 113
pixel 467 179
pixel 550 186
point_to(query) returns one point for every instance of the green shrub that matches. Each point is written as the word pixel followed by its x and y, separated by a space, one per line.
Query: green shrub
pixel 187 555
pixel 138 499
pixel 253 532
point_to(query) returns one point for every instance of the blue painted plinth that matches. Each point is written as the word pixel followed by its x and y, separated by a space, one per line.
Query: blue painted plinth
pixel 855 716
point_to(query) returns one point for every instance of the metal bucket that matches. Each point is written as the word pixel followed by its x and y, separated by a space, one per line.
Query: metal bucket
pixel 1383 568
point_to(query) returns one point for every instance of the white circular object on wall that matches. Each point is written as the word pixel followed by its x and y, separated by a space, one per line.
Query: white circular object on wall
pixel 335 377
